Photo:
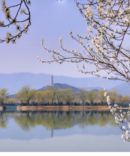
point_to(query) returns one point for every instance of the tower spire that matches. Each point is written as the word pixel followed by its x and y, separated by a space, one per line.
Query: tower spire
pixel 51 80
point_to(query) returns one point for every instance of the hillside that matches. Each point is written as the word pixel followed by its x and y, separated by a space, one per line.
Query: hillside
pixel 94 88
pixel 61 86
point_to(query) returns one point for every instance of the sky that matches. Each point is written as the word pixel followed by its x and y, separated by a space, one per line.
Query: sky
pixel 50 19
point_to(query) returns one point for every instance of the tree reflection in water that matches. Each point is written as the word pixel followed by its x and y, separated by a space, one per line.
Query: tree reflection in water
pixel 61 120
pixel 3 120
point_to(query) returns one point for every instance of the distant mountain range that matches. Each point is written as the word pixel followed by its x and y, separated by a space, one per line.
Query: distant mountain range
pixel 14 82
pixel 123 89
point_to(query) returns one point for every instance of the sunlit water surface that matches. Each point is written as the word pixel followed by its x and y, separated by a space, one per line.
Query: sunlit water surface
pixel 60 131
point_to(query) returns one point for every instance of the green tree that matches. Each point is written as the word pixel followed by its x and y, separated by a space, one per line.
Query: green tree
pixel 3 95
pixel 50 96
pixel 25 95
pixel 40 97
pixel 68 96
pixel 11 101
pixel 82 95
pixel 122 99
pixel 91 96
pixel 113 96
pixel 59 95
pixel 101 96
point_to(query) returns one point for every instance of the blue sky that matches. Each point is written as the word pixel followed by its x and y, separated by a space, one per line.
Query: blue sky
pixel 50 20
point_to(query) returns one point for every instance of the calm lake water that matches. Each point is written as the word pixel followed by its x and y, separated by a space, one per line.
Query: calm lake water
pixel 60 131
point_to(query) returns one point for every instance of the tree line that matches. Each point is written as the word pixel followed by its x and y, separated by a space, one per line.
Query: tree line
pixel 54 96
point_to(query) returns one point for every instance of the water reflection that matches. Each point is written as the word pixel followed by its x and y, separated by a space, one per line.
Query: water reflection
pixel 36 131
pixel 55 123
pixel 60 120
pixel 3 120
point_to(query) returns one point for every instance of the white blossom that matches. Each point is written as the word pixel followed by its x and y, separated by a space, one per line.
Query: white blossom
pixel 42 41
pixel 123 127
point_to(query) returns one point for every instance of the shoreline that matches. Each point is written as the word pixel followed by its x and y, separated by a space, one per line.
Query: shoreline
pixel 65 108
pixel 1 108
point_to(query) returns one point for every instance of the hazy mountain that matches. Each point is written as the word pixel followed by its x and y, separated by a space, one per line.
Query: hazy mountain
pixel 61 86
pixel 14 82
pixel 123 89
pixel 94 88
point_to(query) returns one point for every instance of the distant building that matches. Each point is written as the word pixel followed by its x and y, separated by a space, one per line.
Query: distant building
pixel 51 81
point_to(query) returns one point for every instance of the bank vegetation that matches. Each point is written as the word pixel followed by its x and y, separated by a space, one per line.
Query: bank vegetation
pixel 54 96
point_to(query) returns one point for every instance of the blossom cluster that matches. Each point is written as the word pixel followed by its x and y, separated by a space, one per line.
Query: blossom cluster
pixel 108 26
pixel 13 20
pixel 121 118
